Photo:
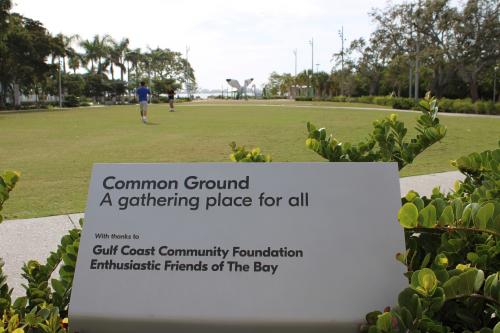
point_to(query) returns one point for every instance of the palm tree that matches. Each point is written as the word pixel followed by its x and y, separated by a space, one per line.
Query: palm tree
pixel 90 54
pixel 69 51
pixel 117 53
pixel 95 51
pixel 133 57
pixel 75 61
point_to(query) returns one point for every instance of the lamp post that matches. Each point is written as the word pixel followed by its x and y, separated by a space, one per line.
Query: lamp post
pixel 495 83
pixel 295 77
pixel 295 54
pixel 186 72
pixel 60 85
pixel 342 39
pixel 311 42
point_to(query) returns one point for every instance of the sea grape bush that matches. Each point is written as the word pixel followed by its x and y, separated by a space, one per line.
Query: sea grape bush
pixel 452 256
pixel 240 154
pixel 44 309
pixel 387 142
pixel 8 181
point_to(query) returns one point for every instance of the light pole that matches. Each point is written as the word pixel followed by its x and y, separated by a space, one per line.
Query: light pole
pixel 186 72
pixel 495 83
pixel 311 42
pixel 295 54
pixel 60 85
pixel 295 77
pixel 317 68
pixel 417 60
pixel 342 39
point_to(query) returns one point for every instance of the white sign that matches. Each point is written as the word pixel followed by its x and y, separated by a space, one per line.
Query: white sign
pixel 301 247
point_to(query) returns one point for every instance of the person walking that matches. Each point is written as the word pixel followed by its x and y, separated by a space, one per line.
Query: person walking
pixel 171 96
pixel 143 94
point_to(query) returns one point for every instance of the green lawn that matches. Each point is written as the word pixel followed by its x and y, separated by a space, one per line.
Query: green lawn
pixel 55 150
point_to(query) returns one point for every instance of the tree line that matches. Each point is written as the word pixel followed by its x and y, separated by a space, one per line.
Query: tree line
pixel 33 61
pixel 429 45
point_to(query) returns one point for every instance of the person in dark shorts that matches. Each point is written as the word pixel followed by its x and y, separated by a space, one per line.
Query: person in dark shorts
pixel 171 96
pixel 143 93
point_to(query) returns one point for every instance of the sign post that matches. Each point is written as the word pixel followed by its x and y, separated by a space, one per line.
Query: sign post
pixel 301 247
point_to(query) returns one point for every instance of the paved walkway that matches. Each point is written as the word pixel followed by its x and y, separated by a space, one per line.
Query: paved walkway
pixel 34 239
pixel 358 108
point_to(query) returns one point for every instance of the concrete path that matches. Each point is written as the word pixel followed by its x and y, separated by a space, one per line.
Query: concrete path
pixel 356 108
pixel 34 239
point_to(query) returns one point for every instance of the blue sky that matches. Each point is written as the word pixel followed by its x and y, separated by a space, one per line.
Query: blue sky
pixel 227 39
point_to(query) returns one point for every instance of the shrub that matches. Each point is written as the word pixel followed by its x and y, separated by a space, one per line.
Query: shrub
pixel 71 101
pixel 366 99
pixel 340 99
pixel 383 100
pixel 303 99
pixel 403 103
pixel 463 106
pixel 45 306
pixel 445 105
pixel 240 154
pixel 386 142
pixel 452 256
pixel 485 107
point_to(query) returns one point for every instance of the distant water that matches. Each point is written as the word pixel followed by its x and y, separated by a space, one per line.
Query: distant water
pixel 205 95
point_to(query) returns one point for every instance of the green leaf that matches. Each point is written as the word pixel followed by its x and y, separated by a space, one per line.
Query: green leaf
pixel 447 217
pixel 44 313
pixel 406 318
pixel 58 287
pixel 496 329
pixel 441 260
pixel 427 217
pixel 20 303
pixel 427 281
pixel 472 257
pixel 11 178
pixel 478 282
pixel 411 195
pixel 371 318
pixel 466 215
pixel 483 215
pixel 410 300
pixel 492 286
pixel 438 299
pixel 426 261
pixel 408 216
pixel 419 203
pixel 458 207
pixel 463 284
pixel 384 322
pixel 440 205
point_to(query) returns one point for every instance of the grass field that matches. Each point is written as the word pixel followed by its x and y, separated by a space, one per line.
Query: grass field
pixel 55 150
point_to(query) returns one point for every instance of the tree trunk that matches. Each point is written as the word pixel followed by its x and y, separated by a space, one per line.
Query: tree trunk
pixel 373 90
pixel 474 87
pixel 3 94
pixel 16 94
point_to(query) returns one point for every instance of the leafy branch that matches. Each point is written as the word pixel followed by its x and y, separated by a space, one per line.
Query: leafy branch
pixel 387 142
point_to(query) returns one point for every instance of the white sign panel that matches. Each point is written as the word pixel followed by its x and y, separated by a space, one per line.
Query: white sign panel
pixel 301 247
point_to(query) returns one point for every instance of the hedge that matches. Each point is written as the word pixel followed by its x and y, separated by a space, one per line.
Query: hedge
pixel 445 105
